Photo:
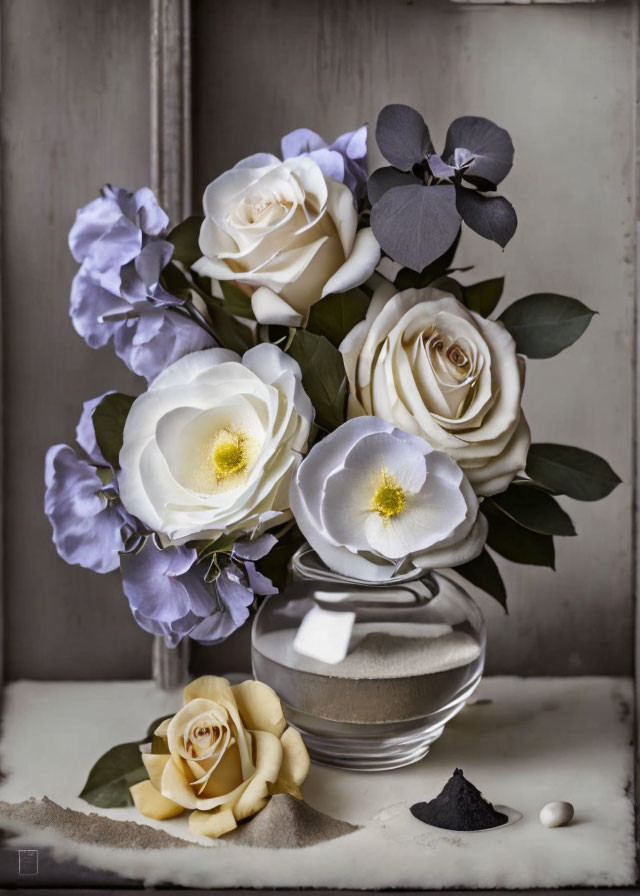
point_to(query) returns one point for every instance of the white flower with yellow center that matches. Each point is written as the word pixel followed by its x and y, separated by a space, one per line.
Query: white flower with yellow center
pixel 209 449
pixel 373 501
pixel 288 232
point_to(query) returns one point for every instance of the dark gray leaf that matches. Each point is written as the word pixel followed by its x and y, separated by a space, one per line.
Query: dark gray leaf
pixel 113 774
pixel 484 574
pixel 489 145
pixel 337 314
pixel 415 225
pixel 571 471
pixel 184 238
pixel 491 216
pixel 514 542
pixel 385 178
pixel 402 136
pixel 108 420
pixel 323 376
pixel 484 296
pixel 408 279
pixel 544 324
pixel 534 509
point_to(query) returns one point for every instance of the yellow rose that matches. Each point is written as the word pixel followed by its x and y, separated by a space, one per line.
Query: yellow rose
pixel 222 756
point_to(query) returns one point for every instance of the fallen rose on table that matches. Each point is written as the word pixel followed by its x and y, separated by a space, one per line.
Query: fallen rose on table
pixel 223 755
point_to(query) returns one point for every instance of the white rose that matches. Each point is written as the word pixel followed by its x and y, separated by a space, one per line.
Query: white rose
pixel 424 362
pixel 286 230
pixel 373 501
pixel 209 449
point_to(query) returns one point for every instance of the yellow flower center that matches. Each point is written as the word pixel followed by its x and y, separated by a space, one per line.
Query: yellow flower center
pixel 390 498
pixel 230 455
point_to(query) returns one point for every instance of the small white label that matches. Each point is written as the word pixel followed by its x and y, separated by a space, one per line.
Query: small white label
pixel 325 635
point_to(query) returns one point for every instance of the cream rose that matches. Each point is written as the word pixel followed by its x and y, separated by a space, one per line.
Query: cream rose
pixel 209 449
pixel 288 232
pixel 424 362
pixel 221 756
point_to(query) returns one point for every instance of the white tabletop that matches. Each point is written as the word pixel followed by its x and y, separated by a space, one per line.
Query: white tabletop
pixel 536 740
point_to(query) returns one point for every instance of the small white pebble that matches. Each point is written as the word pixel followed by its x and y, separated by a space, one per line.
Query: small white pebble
pixel 556 814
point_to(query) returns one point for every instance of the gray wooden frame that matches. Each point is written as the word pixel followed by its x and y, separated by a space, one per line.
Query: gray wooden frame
pixel 171 179
pixel 170 53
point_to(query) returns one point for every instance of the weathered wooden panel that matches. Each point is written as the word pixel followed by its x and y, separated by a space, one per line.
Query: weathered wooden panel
pixel 75 113
pixel 560 78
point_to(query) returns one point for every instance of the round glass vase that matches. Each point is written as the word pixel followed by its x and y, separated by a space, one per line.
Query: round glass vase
pixel 369 674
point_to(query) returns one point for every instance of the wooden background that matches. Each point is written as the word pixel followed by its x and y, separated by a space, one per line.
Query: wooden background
pixel 75 113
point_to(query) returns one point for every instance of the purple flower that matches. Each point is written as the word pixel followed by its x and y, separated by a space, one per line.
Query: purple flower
pixel 116 295
pixel 168 595
pixel 116 239
pixel 86 434
pixel 345 160
pixel 90 525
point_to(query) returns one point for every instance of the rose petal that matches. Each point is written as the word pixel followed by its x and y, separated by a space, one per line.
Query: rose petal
pixel 359 266
pixel 152 804
pixel 212 824
pixel 260 707
pixel 269 308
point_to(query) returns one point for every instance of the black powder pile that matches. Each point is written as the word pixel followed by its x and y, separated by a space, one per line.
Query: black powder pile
pixel 460 807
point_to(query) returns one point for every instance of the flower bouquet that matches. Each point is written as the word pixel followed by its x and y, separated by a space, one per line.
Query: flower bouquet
pixel 319 384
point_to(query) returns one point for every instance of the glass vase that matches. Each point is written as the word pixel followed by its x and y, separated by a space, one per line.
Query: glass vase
pixel 369 674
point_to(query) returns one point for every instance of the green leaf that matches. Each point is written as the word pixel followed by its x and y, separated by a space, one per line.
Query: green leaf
pixel 483 297
pixel 236 300
pixel 231 333
pixel 534 509
pixel 337 314
pixel 571 471
pixel 184 238
pixel 276 563
pixel 175 282
pixel 544 324
pixel 450 285
pixel 323 376
pixel 514 542
pixel 108 422
pixel 112 775
pixel 484 574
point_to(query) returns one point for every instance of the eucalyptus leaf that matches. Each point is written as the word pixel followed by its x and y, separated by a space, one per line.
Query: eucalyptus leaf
pixel 323 376
pixel 514 542
pixel 534 509
pixel 492 217
pixel 571 471
pixel 385 178
pixel 484 574
pixel 402 136
pixel 489 148
pixel 484 296
pixel 408 279
pixel 337 314
pixel 184 239
pixel 236 300
pixel 544 324
pixel 112 775
pixel 415 225
pixel 108 419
